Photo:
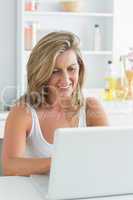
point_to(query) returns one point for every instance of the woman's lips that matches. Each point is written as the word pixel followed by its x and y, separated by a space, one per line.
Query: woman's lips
pixel 65 86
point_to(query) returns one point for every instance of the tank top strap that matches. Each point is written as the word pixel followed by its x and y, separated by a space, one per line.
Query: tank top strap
pixel 35 122
pixel 82 116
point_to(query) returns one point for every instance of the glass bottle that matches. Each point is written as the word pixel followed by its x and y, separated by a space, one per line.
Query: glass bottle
pixel 129 73
pixel 110 82
pixel 97 38
pixel 121 84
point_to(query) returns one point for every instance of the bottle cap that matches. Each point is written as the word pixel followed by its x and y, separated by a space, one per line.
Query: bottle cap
pixel 96 25
pixel 109 62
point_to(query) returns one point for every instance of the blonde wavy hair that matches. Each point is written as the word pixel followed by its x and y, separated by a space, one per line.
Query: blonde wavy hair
pixel 41 64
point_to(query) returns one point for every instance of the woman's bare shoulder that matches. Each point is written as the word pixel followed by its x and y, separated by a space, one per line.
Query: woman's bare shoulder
pixel 93 103
pixel 20 113
pixel 20 110
pixel 96 115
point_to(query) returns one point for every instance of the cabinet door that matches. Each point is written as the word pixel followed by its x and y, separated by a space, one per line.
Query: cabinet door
pixel 123 28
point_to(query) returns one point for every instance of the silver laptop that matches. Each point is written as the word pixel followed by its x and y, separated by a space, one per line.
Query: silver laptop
pixel 91 162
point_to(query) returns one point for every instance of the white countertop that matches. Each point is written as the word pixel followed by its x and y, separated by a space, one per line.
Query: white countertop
pixel 17 188
pixel 26 188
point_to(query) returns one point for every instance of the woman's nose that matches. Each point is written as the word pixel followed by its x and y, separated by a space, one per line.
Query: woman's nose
pixel 65 77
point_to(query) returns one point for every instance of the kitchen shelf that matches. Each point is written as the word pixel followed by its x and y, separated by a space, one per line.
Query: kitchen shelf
pixel 50 17
pixel 30 14
pixel 102 53
pixel 84 52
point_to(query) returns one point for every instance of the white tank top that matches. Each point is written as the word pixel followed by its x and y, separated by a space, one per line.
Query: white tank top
pixel 36 145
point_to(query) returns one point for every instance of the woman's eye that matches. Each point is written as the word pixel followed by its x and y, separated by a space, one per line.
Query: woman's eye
pixel 72 69
pixel 56 71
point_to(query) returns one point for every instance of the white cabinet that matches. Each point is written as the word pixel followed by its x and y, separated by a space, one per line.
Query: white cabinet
pixel 123 28
pixel 50 16
pixel 3 116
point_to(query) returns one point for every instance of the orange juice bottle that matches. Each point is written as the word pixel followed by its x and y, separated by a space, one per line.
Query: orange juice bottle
pixel 110 82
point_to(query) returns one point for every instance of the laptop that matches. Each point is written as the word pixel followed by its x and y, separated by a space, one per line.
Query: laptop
pixel 91 162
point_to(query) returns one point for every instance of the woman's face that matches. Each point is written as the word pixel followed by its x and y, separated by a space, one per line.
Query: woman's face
pixel 64 78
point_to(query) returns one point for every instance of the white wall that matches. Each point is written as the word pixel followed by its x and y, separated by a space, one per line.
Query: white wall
pixel 123 26
pixel 7 45
pixel 7 48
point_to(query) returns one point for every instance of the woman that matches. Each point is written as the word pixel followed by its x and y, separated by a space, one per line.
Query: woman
pixel 54 99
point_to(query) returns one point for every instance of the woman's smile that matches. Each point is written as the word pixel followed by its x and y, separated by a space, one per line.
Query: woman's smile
pixel 65 75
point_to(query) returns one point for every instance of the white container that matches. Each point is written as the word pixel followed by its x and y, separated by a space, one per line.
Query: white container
pixel 97 38
pixel 35 27
pixel 28 36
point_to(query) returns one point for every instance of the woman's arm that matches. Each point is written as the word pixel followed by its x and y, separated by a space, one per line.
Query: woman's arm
pixel 95 114
pixel 25 166
pixel 14 161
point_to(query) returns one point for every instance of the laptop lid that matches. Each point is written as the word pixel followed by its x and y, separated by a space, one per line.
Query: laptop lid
pixel 91 162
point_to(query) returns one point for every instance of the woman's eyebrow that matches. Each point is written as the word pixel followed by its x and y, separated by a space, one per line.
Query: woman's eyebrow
pixel 72 64
pixel 67 66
